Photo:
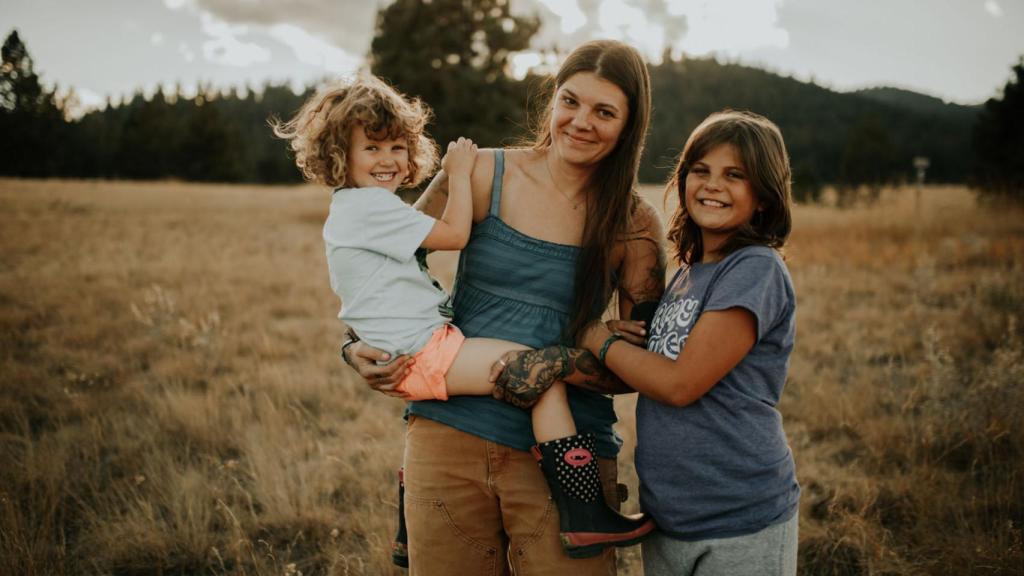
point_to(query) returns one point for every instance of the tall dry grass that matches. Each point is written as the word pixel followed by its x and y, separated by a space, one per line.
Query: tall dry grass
pixel 171 400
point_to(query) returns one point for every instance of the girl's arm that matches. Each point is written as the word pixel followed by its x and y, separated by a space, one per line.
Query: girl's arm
pixel 433 200
pixel 716 344
pixel 435 197
pixel 451 230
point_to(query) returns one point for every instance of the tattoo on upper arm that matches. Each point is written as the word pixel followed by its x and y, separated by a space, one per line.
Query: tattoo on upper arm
pixel 645 277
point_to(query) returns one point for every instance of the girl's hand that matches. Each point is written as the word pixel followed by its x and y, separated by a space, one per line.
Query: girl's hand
pixel 632 331
pixel 382 378
pixel 460 158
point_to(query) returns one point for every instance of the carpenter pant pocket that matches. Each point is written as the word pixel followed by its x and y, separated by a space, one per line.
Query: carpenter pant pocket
pixel 437 545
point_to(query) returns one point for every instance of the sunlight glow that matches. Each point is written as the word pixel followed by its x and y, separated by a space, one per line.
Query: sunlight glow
pixel 569 12
pixel 620 20
pixel 993 8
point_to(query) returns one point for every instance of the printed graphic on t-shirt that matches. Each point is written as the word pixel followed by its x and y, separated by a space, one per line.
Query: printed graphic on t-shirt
pixel 446 308
pixel 672 323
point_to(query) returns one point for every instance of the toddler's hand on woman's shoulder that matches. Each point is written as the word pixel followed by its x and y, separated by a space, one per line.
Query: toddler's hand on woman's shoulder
pixel 460 158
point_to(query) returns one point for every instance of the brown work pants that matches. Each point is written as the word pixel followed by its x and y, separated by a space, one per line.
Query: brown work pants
pixel 476 507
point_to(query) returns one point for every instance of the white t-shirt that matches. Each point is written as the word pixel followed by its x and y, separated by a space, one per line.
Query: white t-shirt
pixel 371 238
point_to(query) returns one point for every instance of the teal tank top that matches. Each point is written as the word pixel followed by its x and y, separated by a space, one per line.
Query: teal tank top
pixel 515 287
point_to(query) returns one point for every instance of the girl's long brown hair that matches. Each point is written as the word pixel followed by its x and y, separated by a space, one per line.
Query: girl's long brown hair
pixel 766 164
pixel 612 196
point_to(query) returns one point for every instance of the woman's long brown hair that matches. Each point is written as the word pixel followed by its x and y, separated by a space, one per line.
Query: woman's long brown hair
pixel 612 195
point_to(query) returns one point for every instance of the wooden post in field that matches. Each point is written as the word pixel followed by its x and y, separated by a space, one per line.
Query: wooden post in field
pixel 921 164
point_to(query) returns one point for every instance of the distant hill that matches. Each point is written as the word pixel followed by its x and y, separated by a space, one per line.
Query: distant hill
pixel 915 100
pixel 824 129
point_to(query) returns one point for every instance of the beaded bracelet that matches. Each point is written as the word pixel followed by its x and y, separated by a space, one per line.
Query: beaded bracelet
pixel 607 344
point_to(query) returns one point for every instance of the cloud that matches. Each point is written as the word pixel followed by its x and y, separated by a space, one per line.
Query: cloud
pixel 993 8
pixel 329 34
pixel 156 39
pixel 314 50
pixel 226 46
pixel 346 24
pixel 187 53
pixel 728 26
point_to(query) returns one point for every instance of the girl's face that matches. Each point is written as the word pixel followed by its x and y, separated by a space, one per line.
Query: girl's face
pixel 588 117
pixel 719 197
pixel 381 163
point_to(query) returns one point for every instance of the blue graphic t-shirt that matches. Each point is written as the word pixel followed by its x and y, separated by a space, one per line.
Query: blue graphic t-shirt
pixel 721 467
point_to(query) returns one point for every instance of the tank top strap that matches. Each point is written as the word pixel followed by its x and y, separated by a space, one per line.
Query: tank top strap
pixel 499 172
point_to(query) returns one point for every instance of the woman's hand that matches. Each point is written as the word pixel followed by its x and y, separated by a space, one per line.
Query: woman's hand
pixel 521 376
pixel 381 377
pixel 632 331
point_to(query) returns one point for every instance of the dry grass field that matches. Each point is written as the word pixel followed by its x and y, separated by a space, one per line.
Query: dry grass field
pixel 171 401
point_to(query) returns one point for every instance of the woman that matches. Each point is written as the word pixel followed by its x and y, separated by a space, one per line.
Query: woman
pixel 558 229
pixel 715 470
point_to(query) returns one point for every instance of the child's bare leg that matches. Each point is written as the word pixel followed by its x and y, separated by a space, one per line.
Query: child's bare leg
pixel 551 416
pixel 468 376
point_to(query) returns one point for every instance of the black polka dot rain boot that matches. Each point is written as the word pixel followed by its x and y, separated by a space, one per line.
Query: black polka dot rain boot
pixel 587 525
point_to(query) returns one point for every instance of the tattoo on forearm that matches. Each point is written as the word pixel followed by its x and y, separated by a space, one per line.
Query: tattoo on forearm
pixel 527 375
pixel 587 372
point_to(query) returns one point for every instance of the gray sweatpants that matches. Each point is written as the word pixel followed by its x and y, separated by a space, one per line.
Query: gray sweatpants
pixel 770 552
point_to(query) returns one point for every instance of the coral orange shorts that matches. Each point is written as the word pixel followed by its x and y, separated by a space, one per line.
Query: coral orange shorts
pixel 426 380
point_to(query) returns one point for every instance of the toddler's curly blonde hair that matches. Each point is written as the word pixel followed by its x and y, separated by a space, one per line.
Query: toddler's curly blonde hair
pixel 319 132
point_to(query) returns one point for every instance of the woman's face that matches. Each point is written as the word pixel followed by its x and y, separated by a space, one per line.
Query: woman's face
pixel 588 118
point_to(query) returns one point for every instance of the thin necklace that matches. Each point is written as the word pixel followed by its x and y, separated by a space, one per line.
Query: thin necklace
pixel 574 203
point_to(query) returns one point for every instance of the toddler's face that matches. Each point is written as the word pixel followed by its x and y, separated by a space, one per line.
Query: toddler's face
pixel 380 163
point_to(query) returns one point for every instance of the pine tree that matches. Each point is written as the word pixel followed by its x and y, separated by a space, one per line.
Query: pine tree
pixel 454 54
pixel 999 140
pixel 30 119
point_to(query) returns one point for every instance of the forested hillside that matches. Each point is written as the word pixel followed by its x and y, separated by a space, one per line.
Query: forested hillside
pixel 849 139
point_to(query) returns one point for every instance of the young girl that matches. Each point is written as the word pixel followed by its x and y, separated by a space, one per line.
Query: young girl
pixel 367 140
pixel 716 473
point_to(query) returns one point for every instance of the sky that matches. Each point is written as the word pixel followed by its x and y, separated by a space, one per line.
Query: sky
pixel 958 50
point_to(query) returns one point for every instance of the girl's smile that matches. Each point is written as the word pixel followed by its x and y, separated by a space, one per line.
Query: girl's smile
pixel 381 163
pixel 719 196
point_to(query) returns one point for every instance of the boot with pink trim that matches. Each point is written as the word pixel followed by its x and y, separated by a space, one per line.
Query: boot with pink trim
pixel 587 525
